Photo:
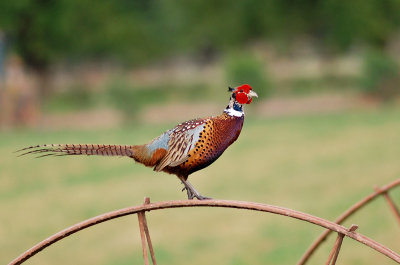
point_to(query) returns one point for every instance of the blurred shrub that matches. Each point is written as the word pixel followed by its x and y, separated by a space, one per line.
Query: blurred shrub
pixel 130 99
pixel 120 94
pixel 309 85
pixel 245 68
pixel 76 97
pixel 123 97
pixel 380 76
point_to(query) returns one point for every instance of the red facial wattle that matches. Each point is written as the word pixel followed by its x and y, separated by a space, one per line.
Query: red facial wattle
pixel 241 94
pixel 242 98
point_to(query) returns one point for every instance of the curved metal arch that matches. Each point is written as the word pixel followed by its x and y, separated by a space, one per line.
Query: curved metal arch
pixel 349 212
pixel 342 231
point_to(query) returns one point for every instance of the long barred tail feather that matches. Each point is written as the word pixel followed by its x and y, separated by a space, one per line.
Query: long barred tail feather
pixel 78 149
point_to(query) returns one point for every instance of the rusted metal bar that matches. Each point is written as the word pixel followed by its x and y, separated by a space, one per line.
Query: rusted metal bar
pixel 207 203
pixel 333 255
pixel 147 232
pixel 335 250
pixel 344 217
pixel 353 228
pixel 339 244
pixel 392 206
pixel 143 237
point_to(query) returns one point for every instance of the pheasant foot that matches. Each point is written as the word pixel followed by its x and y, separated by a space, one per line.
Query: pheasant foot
pixel 192 192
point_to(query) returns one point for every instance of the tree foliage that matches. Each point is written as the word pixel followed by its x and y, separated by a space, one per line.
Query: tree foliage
pixel 47 31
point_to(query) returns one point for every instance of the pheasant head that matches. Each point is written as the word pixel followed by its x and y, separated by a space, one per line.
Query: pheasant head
pixel 240 95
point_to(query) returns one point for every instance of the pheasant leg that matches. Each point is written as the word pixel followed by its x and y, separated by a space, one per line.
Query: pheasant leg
pixel 192 192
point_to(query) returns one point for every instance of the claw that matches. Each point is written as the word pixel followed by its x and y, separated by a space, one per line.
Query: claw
pixel 192 193
pixel 200 197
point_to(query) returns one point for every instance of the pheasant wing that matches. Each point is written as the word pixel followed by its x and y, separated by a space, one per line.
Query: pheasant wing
pixel 182 140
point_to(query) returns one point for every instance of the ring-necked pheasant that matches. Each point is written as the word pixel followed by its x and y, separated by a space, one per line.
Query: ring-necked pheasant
pixel 190 146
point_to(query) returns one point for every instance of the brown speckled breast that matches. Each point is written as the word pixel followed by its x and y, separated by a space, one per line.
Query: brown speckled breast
pixel 218 133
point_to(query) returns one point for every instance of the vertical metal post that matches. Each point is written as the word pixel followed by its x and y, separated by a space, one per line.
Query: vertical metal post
pixel 145 236
pixel 392 206
pixel 333 255
pixel 390 202
pixel 146 230
pixel 335 250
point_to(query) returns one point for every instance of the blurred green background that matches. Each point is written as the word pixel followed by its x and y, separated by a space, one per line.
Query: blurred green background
pixel 322 134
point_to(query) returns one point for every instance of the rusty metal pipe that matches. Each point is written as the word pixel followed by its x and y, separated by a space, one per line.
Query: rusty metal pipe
pixel 206 203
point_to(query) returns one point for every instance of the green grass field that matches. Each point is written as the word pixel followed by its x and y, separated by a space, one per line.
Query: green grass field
pixel 319 164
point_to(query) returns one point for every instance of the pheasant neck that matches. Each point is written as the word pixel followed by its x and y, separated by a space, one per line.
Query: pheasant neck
pixel 234 109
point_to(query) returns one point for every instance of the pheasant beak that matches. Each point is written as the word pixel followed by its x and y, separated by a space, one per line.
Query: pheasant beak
pixel 252 94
